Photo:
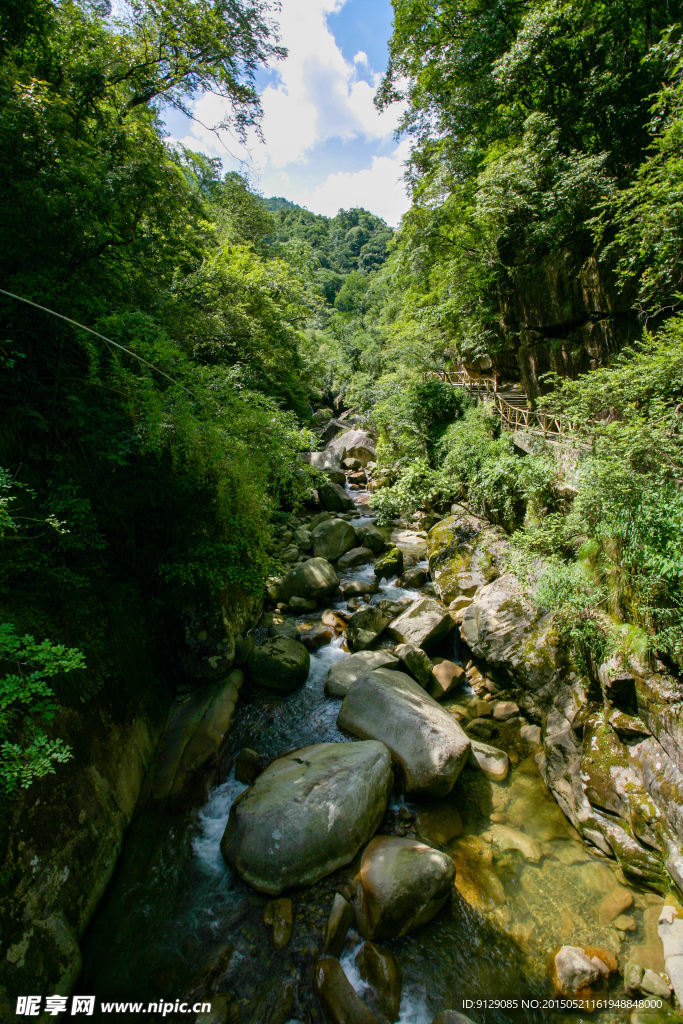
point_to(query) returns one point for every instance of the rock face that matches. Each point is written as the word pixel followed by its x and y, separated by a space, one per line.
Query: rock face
pixel 280 664
pixel 428 744
pixel 338 999
pixel 343 674
pixel 313 579
pixel 365 626
pixel 401 885
pixel 334 498
pixel 333 538
pixel 307 814
pixel 423 624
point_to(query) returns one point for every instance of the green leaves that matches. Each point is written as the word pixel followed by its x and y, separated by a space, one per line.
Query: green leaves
pixel 26 700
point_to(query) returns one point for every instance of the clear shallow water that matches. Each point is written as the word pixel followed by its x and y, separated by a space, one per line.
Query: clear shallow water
pixel 175 907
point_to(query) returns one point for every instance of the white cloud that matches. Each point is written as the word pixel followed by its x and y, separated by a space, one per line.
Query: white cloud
pixel 317 95
pixel 379 188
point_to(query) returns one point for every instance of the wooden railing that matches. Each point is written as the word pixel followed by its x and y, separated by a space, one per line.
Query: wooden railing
pixel 513 417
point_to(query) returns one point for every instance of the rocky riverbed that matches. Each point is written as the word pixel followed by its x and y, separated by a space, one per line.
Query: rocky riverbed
pixel 380 842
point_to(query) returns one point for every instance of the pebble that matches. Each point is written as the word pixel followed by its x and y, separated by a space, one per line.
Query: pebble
pixel 505 709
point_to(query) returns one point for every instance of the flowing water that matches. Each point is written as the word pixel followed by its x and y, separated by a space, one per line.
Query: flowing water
pixel 176 917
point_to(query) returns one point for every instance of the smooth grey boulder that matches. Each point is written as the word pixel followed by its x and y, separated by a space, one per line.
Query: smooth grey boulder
pixel 329 458
pixel 415 662
pixel 333 538
pixel 354 557
pixel 280 664
pixel 413 577
pixel 334 498
pixel 493 762
pixel 307 814
pixel 423 624
pixel 402 884
pixel 313 579
pixel 373 538
pixel 365 626
pixel 428 744
pixel 354 444
pixel 343 674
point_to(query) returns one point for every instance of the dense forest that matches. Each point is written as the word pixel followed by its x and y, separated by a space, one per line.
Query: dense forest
pixel 175 346
pixel 145 458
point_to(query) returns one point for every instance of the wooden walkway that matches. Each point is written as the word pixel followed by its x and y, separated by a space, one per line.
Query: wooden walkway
pixel 512 406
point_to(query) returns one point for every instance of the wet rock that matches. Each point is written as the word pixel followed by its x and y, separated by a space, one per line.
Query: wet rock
pixel 334 498
pixel 307 814
pixel 316 637
pixel 282 626
pixel 633 975
pixel 614 904
pixel 413 578
pixel 493 762
pixel 624 923
pixel 300 605
pixel 423 624
pixel 351 464
pixel 389 565
pixel 356 556
pixel 481 729
pixel 670 931
pixel 336 476
pixel 340 920
pixel 531 733
pixel 358 588
pixel 314 579
pixel 372 538
pixel 575 971
pixel 275 1003
pixel 391 608
pixel 654 985
pixel 339 1001
pixel 503 838
pixel 364 627
pixel 333 620
pixel 428 744
pixel 278 915
pixel 401 885
pixel 247 767
pixel 504 709
pixel 445 676
pixel 343 674
pixel 333 538
pixel 381 970
pixel 280 664
pixel 415 662
pixel 438 824
pixel 475 878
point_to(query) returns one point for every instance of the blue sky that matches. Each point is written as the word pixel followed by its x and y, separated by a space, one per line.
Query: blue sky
pixel 326 146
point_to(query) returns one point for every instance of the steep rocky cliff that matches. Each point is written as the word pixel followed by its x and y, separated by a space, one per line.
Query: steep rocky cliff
pixel 565 314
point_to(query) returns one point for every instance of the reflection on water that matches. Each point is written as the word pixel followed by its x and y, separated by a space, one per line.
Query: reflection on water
pixel 525 884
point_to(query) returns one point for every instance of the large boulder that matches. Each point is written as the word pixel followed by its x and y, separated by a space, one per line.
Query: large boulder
pixel 354 444
pixel 401 885
pixel 365 626
pixel 428 744
pixel 343 674
pixel 333 538
pixel 518 643
pixel 334 498
pixel 307 814
pixel 329 458
pixel 313 579
pixel 280 664
pixel 423 624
